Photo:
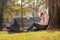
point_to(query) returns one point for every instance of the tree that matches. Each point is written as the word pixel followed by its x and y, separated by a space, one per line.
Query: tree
pixel 2 4
pixel 54 11
pixel 1 15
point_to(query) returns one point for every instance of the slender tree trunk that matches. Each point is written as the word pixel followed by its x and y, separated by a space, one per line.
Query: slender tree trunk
pixel 54 11
pixel 1 14
pixel 2 4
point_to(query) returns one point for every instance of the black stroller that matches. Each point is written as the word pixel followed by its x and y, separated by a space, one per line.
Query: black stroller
pixel 14 27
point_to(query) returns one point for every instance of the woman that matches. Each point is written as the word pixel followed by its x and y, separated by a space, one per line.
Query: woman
pixel 43 23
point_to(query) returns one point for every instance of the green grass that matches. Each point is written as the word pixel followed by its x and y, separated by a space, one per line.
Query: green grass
pixel 40 35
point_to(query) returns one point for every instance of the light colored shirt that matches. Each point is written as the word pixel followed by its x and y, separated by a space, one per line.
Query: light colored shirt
pixel 44 18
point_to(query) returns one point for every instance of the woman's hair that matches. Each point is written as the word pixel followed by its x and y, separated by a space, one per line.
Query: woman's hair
pixel 42 9
pixel 42 14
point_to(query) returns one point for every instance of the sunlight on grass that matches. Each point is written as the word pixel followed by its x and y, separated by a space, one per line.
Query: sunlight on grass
pixel 40 35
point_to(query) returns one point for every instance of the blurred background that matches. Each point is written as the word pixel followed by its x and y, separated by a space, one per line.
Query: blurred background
pixel 22 10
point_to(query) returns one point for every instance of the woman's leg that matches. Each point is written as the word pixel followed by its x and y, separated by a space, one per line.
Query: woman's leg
pixel 41 27
pixel 38 27
pixel 31 26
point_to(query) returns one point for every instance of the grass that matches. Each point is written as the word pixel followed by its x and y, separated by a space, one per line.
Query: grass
pixel 39 35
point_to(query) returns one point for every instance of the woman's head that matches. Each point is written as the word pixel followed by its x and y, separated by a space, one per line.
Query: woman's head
pixel 42 9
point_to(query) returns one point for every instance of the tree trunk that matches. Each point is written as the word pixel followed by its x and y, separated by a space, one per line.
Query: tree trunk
pixel 2 5
pixel 54 11
pixel 1 14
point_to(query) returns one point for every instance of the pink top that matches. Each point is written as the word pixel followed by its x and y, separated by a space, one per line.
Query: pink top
pixel 44 18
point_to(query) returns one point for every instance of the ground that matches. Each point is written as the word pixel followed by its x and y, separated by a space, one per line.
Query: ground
pixel 39 35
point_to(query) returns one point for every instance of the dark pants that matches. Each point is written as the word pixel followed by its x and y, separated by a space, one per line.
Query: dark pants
pixel 38 26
